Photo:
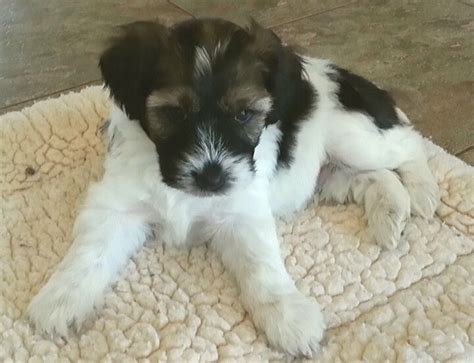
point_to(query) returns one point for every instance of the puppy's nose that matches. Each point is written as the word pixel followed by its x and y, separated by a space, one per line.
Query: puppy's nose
pixel 211 178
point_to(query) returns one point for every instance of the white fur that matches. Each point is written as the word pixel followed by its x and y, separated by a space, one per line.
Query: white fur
pixel 118 211
pixel 386 201
pixel 210 150
pixel 202 63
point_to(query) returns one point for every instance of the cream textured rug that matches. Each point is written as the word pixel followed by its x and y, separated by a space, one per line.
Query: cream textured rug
pixel 412 304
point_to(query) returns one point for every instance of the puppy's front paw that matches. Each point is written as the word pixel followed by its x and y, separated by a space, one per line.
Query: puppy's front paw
pixel 292 323
pixel 54 311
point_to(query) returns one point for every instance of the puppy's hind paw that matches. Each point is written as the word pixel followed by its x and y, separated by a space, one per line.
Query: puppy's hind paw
pixel 424 197
pixel 422 188
pixel 387 212
pixel 386 226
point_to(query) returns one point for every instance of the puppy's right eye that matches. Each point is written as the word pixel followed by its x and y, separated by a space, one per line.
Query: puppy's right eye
pixel 244 116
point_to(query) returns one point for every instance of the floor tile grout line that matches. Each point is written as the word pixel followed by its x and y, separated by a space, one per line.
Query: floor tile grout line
pixel 314 14
pixel 170 2
pixel 32 99
pixel 352 2
pixel 465 3
pixel 47 95
pixel 465 150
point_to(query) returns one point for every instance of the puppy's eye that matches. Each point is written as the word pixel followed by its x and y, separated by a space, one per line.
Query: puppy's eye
pixel 244 116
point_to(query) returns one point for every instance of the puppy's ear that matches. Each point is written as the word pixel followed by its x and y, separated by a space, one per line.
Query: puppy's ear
pixel 284 76
pixel 133 63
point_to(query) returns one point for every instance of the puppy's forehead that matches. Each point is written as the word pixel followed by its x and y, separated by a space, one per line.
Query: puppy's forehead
pixel 213 45
pixel 245 95
pixel 205 33
pixel 217 66
pixel 232 99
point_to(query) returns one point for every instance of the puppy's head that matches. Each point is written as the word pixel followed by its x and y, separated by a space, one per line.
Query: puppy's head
pixel 203 92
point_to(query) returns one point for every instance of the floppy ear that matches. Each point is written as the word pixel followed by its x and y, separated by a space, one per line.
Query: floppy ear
pixel 131 66
pixel 284 76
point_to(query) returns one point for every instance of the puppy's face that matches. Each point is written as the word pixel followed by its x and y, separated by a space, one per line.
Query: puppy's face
pixel 207 124
pixel 202 92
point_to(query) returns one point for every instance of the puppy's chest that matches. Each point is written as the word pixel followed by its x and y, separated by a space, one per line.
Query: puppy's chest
pixel 179 221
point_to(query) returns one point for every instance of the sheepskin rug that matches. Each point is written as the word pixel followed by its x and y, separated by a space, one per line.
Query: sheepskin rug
pixel 415 303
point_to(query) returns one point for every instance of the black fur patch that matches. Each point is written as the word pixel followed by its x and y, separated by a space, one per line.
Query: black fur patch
pixel 135 63
pixel 294 99
pixel 358 94
pixel 146 58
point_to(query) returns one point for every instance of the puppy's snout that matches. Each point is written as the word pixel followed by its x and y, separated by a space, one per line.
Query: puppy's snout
pixel 211 178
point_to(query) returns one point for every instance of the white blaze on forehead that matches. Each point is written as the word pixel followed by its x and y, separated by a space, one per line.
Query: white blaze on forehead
pixel 220 47
pixel 202 62
pixel 203 59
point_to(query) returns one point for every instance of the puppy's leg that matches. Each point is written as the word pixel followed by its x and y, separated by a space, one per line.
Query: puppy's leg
pixel 249 248
pixel 386 201
pixel 110 227
pixel 363 147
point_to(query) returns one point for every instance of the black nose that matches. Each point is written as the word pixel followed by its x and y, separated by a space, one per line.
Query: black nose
pixel 211 178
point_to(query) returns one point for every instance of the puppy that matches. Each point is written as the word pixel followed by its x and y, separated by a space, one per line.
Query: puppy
pixel 217 129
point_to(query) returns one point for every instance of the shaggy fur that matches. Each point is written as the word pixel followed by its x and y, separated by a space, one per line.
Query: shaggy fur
pixel 216 130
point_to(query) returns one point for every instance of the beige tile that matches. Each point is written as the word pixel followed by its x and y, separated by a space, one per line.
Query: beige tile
pixel 267 12
pixel 28 103
pixel 46 46
pixel 468 156
pixel 420 50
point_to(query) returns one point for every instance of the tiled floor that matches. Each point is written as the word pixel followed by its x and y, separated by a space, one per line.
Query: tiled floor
pixel 423 51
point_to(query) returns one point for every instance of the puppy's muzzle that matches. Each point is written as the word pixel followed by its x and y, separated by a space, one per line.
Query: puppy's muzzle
pixel 211 178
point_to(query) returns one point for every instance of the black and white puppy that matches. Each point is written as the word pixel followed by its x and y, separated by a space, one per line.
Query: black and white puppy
pixel 216 130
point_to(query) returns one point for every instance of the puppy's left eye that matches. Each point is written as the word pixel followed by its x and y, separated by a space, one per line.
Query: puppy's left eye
pixel 244 116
